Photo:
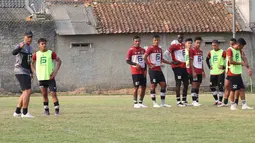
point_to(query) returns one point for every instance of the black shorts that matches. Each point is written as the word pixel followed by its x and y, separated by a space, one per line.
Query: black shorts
pixel 139 80
pixel 228 77
pixel 181 74
pixel 24 81
pixel 156 76
pixel 236 82
pixel 198 79
pixel 217 80
pixel 51 84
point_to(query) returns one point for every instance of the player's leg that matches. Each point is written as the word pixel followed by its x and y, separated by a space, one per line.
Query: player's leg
pixel 213 84
pixel 185 80
pixel 17 112
pixel 242 94
pixel 143 82
pixel 221 78
pixel 195 90
pixel 200 78
pixel 178 83
pixel 162 82
pixel 44 91
pixel 136 83
pixel 26 86
pixel 232 95
pixel 153 80
pixel 53 93
pixel 235 89
pixel 226 92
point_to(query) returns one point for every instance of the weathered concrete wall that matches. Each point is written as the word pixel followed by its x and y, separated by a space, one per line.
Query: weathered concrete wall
pixel 11 33
pixel 103 65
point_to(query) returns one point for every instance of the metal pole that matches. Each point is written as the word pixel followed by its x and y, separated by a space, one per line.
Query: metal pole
pixel 234 18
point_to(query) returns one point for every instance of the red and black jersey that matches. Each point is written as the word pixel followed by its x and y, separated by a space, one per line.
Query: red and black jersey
pixel 135 54
pixel 154 57
pixel 178 55
pixel 196 55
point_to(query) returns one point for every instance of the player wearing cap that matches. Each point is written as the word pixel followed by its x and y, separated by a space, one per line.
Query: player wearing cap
pixel 23 73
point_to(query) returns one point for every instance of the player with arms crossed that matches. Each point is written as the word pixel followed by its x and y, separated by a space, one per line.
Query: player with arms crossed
pixel 177 52
pixel 138 69
pixel 153 58
pixel 216 63
pixel 197 70
pixel 235 64
pixel 46 74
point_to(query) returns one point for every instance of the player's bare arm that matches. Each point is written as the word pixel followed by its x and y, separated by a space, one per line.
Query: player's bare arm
pixel 59 62
pixel 146 61
pixel 203 73
pixel 194 75
pixel 33 66
pixel 247 64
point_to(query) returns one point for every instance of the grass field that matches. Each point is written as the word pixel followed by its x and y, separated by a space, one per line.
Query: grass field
pixel 111 119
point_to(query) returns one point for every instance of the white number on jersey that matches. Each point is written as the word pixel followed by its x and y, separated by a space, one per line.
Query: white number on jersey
pixel 138 59
pixel 155 59
pixel 198 61
pixel 179 55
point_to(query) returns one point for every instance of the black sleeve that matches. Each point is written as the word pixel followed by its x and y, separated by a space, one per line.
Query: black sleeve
pixel 130 62
pixel 208 62
pixel 16 51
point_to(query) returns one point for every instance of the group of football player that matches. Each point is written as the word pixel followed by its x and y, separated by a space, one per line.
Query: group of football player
pixel 186 60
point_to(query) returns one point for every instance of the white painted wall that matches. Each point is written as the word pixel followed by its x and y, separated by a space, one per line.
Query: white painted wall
pixel 245 9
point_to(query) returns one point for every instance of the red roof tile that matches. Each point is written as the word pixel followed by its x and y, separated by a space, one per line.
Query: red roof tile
pixel 173 16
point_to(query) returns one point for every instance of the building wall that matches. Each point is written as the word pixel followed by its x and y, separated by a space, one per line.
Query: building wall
pixel 103 65
pixel 11 33
pixel 245 7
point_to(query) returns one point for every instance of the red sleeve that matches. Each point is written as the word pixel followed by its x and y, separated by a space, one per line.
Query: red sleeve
pixel 34 57
pixel 148 51
pixel 209 55
pixel 224 54
pixel 191 54
pixel 171 48
pixel 229 53
pixel 53 55
pixel 129 55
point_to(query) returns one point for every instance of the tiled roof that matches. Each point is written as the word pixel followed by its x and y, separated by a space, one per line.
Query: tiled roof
pixel 12 3
pixel 173 16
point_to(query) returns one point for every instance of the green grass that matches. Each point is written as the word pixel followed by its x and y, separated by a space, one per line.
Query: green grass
pixel 111 119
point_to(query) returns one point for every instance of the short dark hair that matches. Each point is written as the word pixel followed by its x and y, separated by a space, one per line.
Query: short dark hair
pixel 241 41
pixel 233 40
pixel 188 39
pixel 136 37
pixel 180 35
pixel 198 38
pixel 216 42
pixel 156 36
pixel 42 40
